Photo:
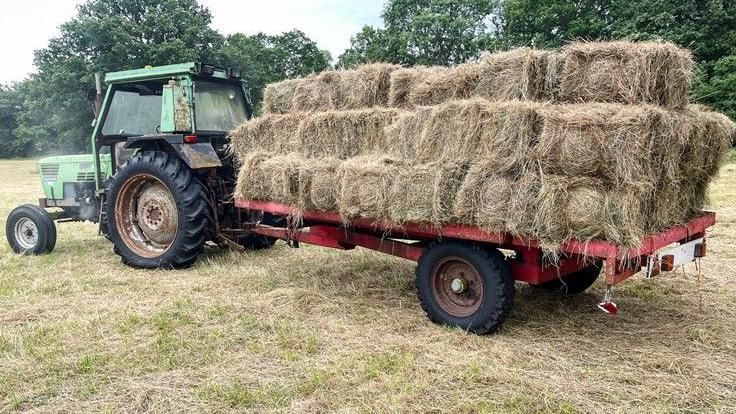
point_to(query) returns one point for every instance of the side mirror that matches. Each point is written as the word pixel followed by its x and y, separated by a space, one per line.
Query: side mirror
pixel 176 108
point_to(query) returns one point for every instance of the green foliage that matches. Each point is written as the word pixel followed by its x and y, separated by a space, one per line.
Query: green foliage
pixel 10 101
pixel 263 59
pixel 553 22
pixel 719 90
pixel 426 32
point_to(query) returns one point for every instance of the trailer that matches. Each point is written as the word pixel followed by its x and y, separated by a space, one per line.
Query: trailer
pixel 465 276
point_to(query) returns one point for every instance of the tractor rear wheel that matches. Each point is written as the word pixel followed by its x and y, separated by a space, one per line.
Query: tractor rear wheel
pixel 465 285
pixel 158 212
pixel 30 230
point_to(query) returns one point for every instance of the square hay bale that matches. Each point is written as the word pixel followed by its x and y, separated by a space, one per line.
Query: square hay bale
pixel 363 87
pixel 365 186
pixel 402 136
pixel 609 141
pixel 426 193
pixel 281 175
pixel 497 202
pixel 439 86
pixel 585 209
pixel 269 133
pixel 253 183
pixel 319 184
pixel 278 97
pixel 317 92
pixel 476 129
pixel 366 86
pixel 344 134
pixel 523 73
pixel 404 81
pixel 626 72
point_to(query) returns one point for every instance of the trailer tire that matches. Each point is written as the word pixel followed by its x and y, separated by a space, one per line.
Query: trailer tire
pixel 465 285
pixel 30 230
pixel 156 188
pixel 576 282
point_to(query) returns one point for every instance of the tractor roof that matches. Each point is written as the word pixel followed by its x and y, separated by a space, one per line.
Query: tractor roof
pixel 168 71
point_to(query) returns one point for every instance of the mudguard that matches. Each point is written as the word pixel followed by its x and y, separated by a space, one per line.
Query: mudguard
pixel 196 156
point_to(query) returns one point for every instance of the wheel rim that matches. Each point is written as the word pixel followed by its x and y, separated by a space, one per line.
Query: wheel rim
pixel 457 286
pixel 146 216
pixel 26 233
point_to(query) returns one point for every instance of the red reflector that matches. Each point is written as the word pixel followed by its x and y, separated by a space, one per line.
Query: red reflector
pixel 668 263
pixel 190 139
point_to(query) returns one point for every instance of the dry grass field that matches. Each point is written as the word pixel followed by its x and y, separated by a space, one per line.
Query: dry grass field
pixel 313 330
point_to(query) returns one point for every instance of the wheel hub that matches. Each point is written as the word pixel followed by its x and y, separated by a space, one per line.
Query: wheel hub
pixel 157 215
pixel 457 286
pixel 146 215
pixel 26 233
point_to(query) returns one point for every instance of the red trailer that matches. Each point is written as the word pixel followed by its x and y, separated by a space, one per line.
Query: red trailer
pixel 465 276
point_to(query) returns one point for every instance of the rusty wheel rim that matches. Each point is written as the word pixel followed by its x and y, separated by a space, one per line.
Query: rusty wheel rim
pixel 146 216
pixel 457 286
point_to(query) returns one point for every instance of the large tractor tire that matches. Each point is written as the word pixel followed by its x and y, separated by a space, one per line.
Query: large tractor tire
pixel 157 211
pixel 465 285
pixel 30 230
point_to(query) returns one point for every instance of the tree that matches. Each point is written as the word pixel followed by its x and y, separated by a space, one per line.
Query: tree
pixel 719 90
pixel 263 59
pixel 551 23
pixel 9 108
pixel 427 32
pixel 106 35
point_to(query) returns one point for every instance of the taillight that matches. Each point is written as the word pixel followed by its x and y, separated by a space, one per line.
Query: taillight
pixel 190 139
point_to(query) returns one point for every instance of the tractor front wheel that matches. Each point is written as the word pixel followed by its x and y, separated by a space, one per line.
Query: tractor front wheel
pixel 30 230
pixel 157 211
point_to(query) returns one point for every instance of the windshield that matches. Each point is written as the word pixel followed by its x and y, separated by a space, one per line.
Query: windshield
pixel 131 113
pixel 218 106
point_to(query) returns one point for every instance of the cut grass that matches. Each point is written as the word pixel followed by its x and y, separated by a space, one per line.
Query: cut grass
pixel 315 330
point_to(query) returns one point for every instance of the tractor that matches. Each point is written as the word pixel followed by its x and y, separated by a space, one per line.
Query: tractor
pixel 160 179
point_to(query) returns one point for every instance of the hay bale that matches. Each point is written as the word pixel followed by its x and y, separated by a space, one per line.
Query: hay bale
pixel 268 133
pixel 426 193
pixel 319 184
pixel 402 135
pixel 365 186
pixel 343 134
pixel 363 87
pixel 524 73
pixel 497 202
pixel 626 72
pixel 253 182
pixel 439 86
pixel 278 97
pixel 404 81
pixel 469 130
pixel 609 141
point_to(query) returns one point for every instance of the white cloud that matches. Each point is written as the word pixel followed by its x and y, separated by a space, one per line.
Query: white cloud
pixel 27 26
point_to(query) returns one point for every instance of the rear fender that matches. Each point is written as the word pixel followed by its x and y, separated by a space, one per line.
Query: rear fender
pixel 196 156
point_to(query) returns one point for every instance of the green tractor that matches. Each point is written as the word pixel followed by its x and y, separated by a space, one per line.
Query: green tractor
pixel 159 182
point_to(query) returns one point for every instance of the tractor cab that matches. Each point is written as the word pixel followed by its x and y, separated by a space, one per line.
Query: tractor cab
pixel 160 177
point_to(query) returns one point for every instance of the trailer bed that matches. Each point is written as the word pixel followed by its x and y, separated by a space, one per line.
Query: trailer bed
pixel 528 264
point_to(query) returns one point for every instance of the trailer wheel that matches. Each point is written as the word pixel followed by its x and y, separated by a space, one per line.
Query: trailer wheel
pixel 158 212
pixel 30 230
pixel 465 285
pixel 574 283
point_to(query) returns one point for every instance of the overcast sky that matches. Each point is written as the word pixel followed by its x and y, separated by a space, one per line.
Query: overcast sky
pixel 27 26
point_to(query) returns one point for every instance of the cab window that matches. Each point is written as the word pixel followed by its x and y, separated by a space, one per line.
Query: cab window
pixel 133 113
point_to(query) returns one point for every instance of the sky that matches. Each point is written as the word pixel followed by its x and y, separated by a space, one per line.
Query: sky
pixel 27 26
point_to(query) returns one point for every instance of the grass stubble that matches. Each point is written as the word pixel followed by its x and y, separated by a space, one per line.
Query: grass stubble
pixel 315 330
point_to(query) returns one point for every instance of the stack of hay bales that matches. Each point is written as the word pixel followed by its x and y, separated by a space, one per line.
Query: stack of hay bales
pixel 597 141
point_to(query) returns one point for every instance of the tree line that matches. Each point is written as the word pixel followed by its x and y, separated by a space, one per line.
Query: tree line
pixel 50 112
